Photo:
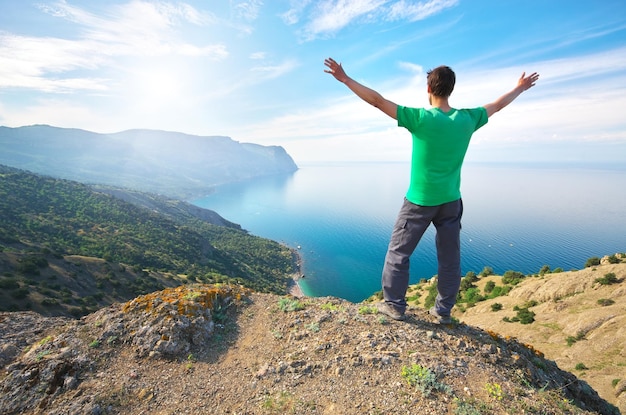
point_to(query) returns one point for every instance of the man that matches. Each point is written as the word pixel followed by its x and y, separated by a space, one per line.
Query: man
pixel 441 136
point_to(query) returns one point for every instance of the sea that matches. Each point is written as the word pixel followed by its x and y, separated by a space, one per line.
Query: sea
pixel 339 217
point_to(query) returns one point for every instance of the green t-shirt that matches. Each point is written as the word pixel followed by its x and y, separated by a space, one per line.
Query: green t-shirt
pixel 440 141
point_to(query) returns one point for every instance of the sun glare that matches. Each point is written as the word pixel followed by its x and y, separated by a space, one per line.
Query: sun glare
pixel 157 87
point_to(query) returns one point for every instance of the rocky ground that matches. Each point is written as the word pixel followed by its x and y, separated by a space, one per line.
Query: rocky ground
pixel 223 350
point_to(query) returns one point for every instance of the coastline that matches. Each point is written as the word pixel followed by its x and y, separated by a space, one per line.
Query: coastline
pixel 293 288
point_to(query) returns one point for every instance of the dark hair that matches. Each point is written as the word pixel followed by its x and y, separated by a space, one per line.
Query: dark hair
pixel 441 81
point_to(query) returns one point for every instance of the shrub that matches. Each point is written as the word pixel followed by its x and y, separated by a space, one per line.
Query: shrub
pixel 499 290
pixel 486 272
pixel 613 259
pixel 432 294
pixel 523 316
pixel 512 277
pixel 605 302
pixel 31 264
pixel 593 261
pixel 571 339
pixel 466 284
pixel 472 296
pixel 489 286
pixel 49 302
pixel 496 307
pixel 580 366
pixel 20 293
pixel 544 270
pixel 608 279
pixel 471 276
pixel 9 284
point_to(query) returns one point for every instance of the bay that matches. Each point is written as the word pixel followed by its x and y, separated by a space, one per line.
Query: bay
pixel 340 217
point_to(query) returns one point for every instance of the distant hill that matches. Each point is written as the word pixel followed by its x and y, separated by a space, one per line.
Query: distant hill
pixel 170 163
pixel 67 249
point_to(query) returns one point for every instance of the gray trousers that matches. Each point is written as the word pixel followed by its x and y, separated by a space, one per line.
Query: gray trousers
pixel 412 222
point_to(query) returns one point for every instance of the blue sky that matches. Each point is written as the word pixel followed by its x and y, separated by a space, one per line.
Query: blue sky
pixel 253 70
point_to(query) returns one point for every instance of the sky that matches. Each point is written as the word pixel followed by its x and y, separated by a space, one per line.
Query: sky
pixel 253 71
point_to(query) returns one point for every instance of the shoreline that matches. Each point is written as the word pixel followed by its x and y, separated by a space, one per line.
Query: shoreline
pixel 293 288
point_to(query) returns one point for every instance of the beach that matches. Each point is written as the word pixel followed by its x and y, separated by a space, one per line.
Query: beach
pixel 293 288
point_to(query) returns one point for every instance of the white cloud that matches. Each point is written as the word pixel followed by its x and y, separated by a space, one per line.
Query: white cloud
pixel 258 55
pixel 248 10
pixel 330 16
pixel 133 29
pixel 414 11
pixel 275 71
pixel 412 67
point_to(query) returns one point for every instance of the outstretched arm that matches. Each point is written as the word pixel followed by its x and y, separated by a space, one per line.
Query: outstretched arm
pixel 524 83
pixel 366 94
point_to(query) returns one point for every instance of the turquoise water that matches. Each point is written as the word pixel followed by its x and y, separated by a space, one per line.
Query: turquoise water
pixel 341 215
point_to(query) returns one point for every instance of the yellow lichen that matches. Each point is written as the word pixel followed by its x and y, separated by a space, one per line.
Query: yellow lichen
pixel 493 335
pixel 188 300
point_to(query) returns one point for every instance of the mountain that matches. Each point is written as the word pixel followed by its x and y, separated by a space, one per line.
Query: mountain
pixel 68 249
pixel 204 349
pixel 169 163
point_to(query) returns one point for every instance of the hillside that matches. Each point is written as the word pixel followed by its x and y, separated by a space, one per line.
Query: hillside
pixel 225 350
pixel 576 318
pixel 67 249
pixel 169 163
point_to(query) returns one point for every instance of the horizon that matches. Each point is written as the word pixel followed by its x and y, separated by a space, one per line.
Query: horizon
pixel 254 72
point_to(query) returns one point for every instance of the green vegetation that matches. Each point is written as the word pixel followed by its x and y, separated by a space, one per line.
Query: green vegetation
pixel 593 261
pixel 487 271
pixel 580 366
pixel 423 379
pixel 524 315
pixel 613 259
pixel 368 310
pixel 608 279
pixel 465 408
pixel 43 221
pixel 313 327
pixel 331 307
pixel 573 339
pixel 432 294
pixel 285 403
pixel 494 390
pixel 605 302
pixel 512 277
pixel 288 304
pixel 496 307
